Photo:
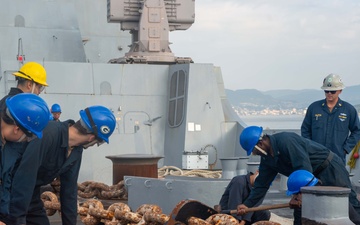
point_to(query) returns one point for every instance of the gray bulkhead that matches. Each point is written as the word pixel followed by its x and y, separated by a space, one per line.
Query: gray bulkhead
pixel 74 42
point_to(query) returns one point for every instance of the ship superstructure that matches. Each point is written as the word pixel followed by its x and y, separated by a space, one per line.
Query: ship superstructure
pixel 165 105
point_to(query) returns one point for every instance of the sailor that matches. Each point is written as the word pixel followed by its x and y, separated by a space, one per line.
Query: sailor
pixel 31 78
pixel 23 118
pixel 57 154
pixel 332 122
pixel 303 178
pixel 56 112
pixel 286 152
pixel 297 180
pixel 237 192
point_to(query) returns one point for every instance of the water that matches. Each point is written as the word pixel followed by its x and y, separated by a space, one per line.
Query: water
pixel 274 121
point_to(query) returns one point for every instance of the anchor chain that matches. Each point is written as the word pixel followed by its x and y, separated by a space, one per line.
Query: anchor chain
pixel 92 212
pixel 92 189
pixel 216 219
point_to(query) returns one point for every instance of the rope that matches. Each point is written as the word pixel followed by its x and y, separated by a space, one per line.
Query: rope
pixel 169 170
pixel 175 171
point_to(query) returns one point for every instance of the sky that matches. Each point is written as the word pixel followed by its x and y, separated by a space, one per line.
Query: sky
pixel 278 44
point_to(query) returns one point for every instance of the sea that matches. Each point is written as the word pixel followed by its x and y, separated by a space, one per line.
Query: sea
pixel 274 121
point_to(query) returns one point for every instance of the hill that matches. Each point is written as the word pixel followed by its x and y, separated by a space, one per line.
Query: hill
pixel 255 100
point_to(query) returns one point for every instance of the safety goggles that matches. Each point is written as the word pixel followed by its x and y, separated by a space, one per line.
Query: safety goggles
pixel 98 140
pixel 332 92
pixel 41 87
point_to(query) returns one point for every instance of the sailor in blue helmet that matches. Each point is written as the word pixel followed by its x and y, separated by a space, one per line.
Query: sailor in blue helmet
pixel 297 180
pixel 285 152
pixel 23 118
pixel 236 192
pixel 56 112
pixel 57 154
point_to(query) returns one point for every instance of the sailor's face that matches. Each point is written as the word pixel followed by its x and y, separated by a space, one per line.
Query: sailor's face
pixel 12 133
pixel 56 115
pixel 89 144
pixel 259 149
pixel 257 152
pixel 92 143
pixel 332 95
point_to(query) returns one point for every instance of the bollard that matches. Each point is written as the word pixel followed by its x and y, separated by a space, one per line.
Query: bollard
pixel 252 166
pixel 325 205
pixel 228 166
pixel 241 166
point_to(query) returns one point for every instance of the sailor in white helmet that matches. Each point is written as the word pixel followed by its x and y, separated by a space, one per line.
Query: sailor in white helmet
pixel 332 122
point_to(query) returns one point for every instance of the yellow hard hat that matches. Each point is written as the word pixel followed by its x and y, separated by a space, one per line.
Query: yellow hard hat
pixel 33 71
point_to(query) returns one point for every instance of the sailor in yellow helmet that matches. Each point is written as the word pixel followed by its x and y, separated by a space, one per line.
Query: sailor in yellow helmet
pixel 31 78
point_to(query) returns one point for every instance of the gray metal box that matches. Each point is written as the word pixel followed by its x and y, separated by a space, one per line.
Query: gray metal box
pixel 195 161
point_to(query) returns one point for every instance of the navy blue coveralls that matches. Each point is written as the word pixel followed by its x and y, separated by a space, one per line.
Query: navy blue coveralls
pixel 236 193
pixel 332 129
pixel 293 152
pixel 44 160
pixel 10 156
pixel 12 92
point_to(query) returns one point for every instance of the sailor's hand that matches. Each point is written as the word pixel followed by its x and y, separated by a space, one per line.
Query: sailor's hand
pixel 242 222
pixel 241 209
pixel 295 201
pixel 216 207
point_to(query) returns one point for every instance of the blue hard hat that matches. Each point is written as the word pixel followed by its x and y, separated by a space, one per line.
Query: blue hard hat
pixel 56 108
pixel 299 179
pixel 29 111
pixel 99 120
pixel 249 137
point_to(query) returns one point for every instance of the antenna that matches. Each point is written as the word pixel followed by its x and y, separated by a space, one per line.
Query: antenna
pixel 149 23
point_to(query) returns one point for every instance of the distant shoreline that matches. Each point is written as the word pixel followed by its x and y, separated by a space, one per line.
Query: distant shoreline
pixel 274 121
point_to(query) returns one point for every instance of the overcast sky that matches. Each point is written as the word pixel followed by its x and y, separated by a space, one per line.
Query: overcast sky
pixel 278 44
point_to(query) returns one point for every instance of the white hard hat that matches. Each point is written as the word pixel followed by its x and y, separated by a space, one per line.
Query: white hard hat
pixel 332 82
